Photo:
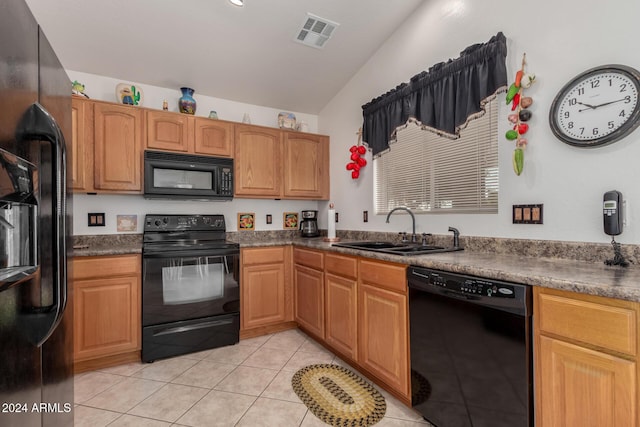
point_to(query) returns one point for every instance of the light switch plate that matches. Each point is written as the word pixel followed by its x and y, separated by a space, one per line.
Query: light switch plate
pixel 527 214
pixel 95 219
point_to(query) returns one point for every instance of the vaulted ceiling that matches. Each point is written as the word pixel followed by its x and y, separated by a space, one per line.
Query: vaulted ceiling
pixel 246 54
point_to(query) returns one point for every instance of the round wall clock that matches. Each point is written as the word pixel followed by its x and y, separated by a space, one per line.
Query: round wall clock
pixel 597 107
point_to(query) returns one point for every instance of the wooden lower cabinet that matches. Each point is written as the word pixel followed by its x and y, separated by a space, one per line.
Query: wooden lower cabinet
pixel 308 285
pixel 583 387
pixel 309 299
pixel 358 308
pixel 586 360
pixel 265 289
pixel 106 309
pixel 383 340
pixel 341 291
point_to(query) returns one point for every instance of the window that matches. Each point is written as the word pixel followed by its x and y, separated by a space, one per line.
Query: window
pixel 431 173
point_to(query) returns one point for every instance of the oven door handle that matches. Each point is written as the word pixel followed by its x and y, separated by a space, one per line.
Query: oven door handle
pixel 190 254
pixel 203 325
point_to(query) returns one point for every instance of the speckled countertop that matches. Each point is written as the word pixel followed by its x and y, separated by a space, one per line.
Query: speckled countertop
pixel 587 274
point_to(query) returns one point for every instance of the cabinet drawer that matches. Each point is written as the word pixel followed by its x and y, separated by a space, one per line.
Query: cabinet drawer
pixel 106 266
pixel 269 255
pixel 600 324
pixel 389 276
pixel 341 265
pixel 313 259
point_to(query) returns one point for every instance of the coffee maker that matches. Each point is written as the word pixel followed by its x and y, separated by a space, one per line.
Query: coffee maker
pixel 309 224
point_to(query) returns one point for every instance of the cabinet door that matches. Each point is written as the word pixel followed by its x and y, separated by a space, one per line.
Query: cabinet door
pixel 341 314
pixel 263 295
pixel 581 387
pixel 82 144
pixel 168 131
pixel 309 299
pixel 106 316
pixel 383 336
pixel 306 166
pixel 257 158
pixel 213 137
pixel 118 147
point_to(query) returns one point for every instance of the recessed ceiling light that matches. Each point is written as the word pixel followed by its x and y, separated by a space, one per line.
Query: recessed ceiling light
pixel 237 2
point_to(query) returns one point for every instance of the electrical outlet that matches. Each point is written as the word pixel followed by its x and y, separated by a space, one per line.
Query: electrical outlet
pixel 269 219
pixel 365 216
pixel 336 216
pixel 95 219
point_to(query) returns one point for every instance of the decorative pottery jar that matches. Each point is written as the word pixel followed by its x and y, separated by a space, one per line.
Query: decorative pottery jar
pixel 186 103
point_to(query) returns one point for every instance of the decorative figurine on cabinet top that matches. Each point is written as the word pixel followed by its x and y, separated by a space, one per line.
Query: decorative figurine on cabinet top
pixel 77 88
pixel 286 120
pixel 187 103
pixel 129 94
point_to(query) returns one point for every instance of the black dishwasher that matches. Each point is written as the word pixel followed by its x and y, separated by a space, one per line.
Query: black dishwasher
pixel 471 357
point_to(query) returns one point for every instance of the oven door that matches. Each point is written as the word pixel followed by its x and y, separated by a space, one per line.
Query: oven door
pixel 184 285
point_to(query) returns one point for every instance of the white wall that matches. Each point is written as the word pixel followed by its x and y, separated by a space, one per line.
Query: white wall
pixel 103 88
pixel 561 40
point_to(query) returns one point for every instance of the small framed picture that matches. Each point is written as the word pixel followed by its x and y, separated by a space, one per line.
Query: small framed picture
pixel 127 223
pixel 290 220
pixel 246 221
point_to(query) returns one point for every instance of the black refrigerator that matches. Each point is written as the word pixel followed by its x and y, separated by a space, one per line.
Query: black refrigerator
pixel 36 324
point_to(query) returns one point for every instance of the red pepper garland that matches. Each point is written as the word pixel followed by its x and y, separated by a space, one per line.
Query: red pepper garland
pixel 357 162
pixel 519 104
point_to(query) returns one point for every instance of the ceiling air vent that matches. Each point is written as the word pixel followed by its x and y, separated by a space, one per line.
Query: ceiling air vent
pixel 315 31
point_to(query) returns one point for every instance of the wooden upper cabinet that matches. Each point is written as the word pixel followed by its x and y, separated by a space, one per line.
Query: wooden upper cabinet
pixel 213 137
pixel 306 168
pixel 168 131
pixel 258 154
pixel 118 147
pixel 188 134
pixel 81 144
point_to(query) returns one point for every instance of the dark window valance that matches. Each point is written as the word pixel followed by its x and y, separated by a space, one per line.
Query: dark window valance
pixel 443 98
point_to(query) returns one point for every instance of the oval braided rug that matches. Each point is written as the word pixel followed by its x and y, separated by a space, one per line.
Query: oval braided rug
pixel 338 396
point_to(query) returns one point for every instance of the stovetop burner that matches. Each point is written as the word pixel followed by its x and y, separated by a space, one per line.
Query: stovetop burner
pixel 176 232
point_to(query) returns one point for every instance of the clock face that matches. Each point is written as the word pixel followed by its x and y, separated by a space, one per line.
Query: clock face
pixel 597 107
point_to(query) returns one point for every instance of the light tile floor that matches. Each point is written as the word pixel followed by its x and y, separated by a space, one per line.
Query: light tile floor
pixel 248 384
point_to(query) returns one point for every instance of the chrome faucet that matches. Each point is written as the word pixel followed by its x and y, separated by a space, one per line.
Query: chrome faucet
pixel 414 237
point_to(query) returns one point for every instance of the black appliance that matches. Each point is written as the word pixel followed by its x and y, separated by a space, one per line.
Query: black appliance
pixel 36 335
pixel 471 357
pixel 309 224
pixel 184 176
pixel 190 285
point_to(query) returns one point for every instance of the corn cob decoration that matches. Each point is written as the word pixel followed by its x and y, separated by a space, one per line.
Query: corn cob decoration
pixel 520 115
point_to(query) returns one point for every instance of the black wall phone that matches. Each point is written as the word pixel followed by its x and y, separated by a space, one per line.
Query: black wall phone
pixel 612 212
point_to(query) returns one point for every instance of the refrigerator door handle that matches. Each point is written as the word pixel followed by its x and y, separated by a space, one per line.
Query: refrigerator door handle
pixel 38 124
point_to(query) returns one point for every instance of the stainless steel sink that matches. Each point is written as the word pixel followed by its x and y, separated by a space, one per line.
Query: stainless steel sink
pixel 370 245
pixel 396 248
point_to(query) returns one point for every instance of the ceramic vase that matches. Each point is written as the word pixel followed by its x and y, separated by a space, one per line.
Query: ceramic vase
pixel 186 103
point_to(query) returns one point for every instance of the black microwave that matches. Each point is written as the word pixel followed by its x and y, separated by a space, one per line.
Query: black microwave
pixel 184 176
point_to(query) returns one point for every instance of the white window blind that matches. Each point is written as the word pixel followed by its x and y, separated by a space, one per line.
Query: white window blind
pixel 431 173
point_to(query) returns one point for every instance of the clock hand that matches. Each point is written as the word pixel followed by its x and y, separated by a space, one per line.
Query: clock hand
pixel 607 103
pixel 587 105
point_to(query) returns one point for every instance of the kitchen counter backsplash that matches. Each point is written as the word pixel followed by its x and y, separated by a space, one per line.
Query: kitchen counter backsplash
pixel 110 244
